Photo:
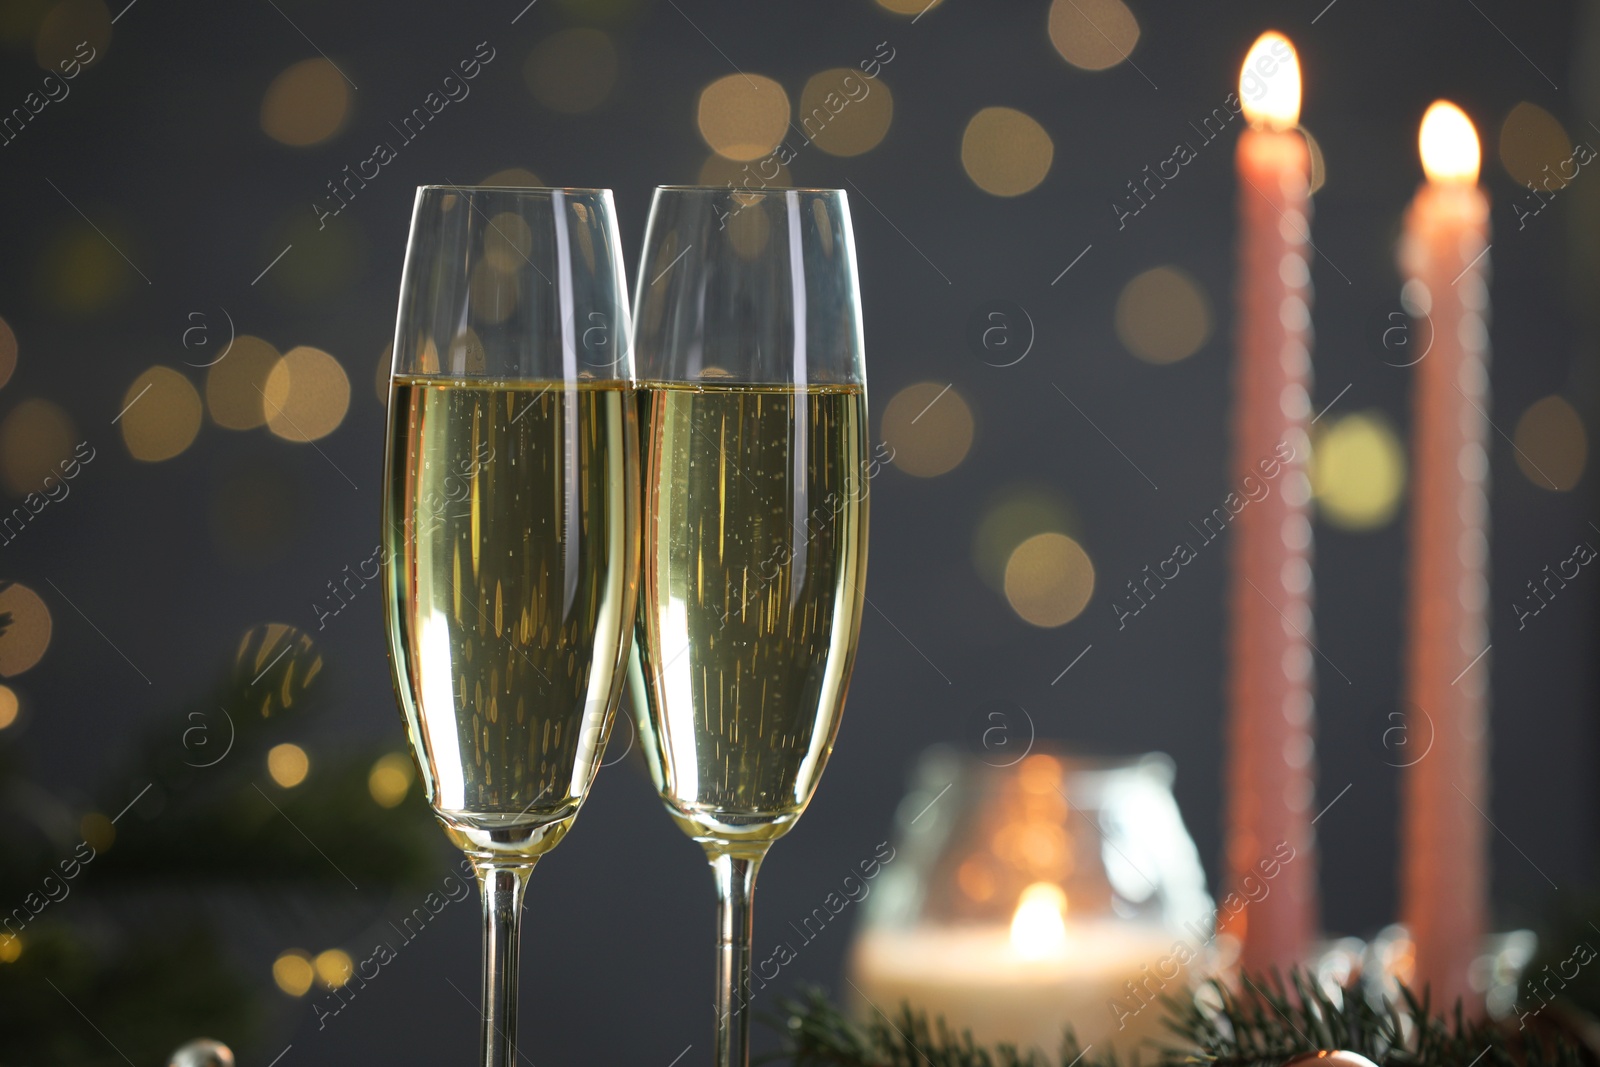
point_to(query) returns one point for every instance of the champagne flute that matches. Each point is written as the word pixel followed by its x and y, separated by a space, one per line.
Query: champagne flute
pixel 753 421
pixel 510 529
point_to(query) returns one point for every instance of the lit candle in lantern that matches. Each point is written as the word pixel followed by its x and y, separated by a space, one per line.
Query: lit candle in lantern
pixel 1026 982
pixel 1444 880
pixel 1270 679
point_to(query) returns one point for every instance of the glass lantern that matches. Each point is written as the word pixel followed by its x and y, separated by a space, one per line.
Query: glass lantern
pixel 1052 891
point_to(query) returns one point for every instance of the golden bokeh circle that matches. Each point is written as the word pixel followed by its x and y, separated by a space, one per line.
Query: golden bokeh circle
pixel 306 104
pixel 1005 152
pixel 8 352
pixel 507 241
pixel 1552 446
pixel 36 438
pixel 68 26
pixel 1532 139
pixel 25 628
pixel 334 967
pixel 1162 315
pixel 743 116
pixel 288 764
pixel 909 7
pixel 515 178
pixel 383 373
pixel 293 972
pixel 236 383
pixel 80 272
pixel 572 70
pixel 10 948
pixel 1358 471
pixel 98 831
pixel 307 395
pixel 1018 513
pixel 844 112
pixel 161 415
pixel 1093 34
pixel 390 779
pixel 10 706
pixel 1049 580
pixel 929 426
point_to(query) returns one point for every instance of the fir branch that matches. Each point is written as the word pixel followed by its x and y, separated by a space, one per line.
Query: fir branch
pixel 1265 1023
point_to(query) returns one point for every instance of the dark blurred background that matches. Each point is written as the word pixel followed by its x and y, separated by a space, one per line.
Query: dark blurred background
pixel 171 198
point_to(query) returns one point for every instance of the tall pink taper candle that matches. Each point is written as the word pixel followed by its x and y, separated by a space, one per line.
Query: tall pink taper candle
pixel 1270 669
pixel 1444 880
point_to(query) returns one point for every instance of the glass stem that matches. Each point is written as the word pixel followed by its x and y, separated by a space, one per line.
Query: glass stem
pixel 736 882
pixel 502 886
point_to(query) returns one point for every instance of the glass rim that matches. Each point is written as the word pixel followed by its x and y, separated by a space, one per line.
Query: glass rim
pixel 772 190
pixel 535 189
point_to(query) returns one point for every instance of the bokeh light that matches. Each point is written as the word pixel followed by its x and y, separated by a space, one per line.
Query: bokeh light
pixel 80 271
pixel 1532 139
pixel 333 967
pixel 236 383
pixel 573 70
pixel 68 25
pixel 1017 513
pixel 515 178
pixel 1552 447
pixel 381 375
pixel 743 116
pixel 1005 152
pixel 162 415
pixel 307 395
pixel 390 779
pixel 492 293
pixel 717 170
pixel 306 104
pixel 288 765
pixel 320 277
pixel 10 705
pixel 507 241
pixel 99 831
pixel 8 352
pixel 293 972
pixel 929 426
pixel 1049 580
pixel 1162 315
pixel 908 7
pixel 1358 471
pixel 35 438
pixel 844 112
pixel 1093 34
pixel 25 628
pixel 10 948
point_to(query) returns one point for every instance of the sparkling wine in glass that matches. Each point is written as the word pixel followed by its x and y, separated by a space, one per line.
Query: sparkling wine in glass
pixel 510 529
pixel 753 424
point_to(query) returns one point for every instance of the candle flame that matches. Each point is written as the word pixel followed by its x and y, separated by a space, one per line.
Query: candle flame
pixel 1269 83
pixel 1039 927
pixel 1449 144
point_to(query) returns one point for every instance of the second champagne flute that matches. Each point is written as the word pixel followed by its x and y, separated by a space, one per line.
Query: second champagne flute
pixel 753 417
